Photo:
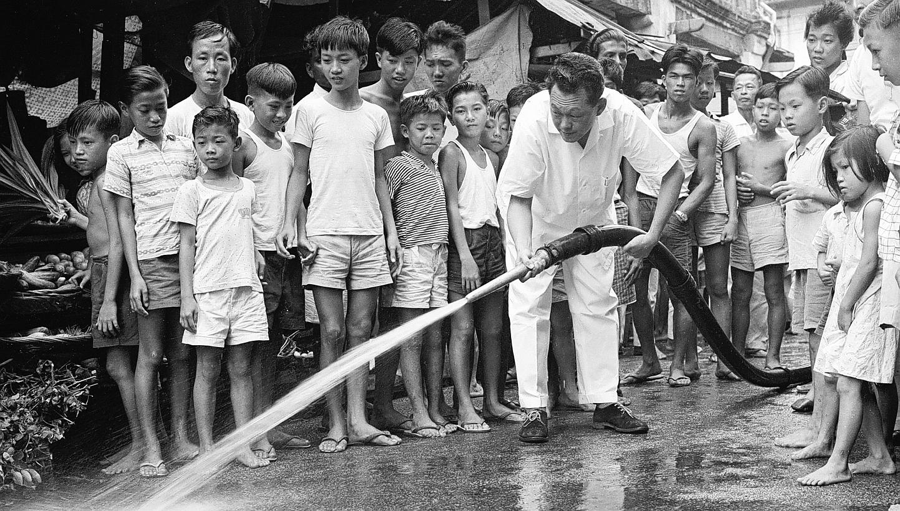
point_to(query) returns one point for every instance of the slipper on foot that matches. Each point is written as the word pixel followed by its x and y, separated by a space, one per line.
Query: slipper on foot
pixel 417 432
pixel 448 427
pixel 474 427
pixel 637 379
pixel 370 440
pixel 756 353
pixel 153 470
pixel 293 442
pixel 338 445
pixel 803 405
pixel 727 376
pixel 508 417
pixel 266 454
pixel 681 381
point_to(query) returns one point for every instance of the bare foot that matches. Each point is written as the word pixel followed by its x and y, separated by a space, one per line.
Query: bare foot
pixel 813 450
pixel 825 476
pixel 250 460
pixel 121 453
pixel 127 463
pixel 870 465
pixel 184 451
pixel 387 419
pixel 796 440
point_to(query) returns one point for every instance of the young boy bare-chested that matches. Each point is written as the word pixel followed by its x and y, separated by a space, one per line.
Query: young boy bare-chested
pixel 761 241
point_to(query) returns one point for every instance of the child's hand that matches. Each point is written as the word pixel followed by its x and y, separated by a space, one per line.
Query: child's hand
pixel 139 297
pixel 825 273
pixel 261 268
pixel 106 321
pixel 82 278
pixel 845 316
pixel 634 269
pixel 189 313
pixel 471 280
pixel 745 193
pixel 308 251
pixel 73 216
pixel 729 232
pixel 640 246
pixel 787 191
pixel 286 237
pixel 395 255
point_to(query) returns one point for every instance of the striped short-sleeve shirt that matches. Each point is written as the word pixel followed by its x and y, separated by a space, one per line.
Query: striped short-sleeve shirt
pixel 418 201
pixel 889 226
pixel 150 176
pixel 726 140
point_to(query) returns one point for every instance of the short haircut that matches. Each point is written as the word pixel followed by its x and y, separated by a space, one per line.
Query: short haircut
pixel 709 63
pixel 140 79
pixel 573 72
pixel 272 78
pixel 858 145
pixel 207 29
pixel 767 91
pixel 429 103
pixel 217 116
pixel 441 33
pixel 749 70
pixel 646 90
pixel 518 95
pixel 814 81
pixel 882 14
pixel 682 54
pixel 309 50
pixel 397 36
pixel 496 108
pixel 613 71
pixel 464 87
pixel 832 13
pixel 607 34
pixel 94 113
pixel 342 33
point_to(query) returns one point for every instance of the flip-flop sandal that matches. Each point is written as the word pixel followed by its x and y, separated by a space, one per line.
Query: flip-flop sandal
pixel 399 429
pixel 511 404
pixel 370 440
pixel 159 470
pixel 636 379
pixel 417 432
pixel 293 442
pixel 507 417
pixel 474 427
pixel 268 455
pixel 727 376
pixel 448 427
pixel 694 376
pixel 681 381
pixel 337 445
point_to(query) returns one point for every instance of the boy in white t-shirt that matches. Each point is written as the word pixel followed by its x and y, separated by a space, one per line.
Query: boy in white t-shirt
pixel 222 307
pixel 211 63
pixel 339 147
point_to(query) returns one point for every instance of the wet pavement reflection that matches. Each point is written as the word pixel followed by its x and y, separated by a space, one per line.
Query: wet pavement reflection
pixel 709 447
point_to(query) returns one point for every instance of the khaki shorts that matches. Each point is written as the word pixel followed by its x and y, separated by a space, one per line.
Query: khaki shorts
pixel 486 246
pixel 676 234
pixel 761 239
pixel 708 227
pixel 811 296
pixel 890 295
pixel 283 292
pixel 229 317
pixel 422 282
pixel 162 277
pixel 349 262
pixel 127 318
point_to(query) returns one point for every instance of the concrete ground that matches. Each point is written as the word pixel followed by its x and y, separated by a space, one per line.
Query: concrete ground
pixel 709 447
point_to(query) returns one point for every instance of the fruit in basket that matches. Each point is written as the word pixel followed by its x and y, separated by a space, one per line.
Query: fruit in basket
pixel 61 282
pixel 81 265
pixel 52 259
pixel 31 264
pixel 64 256
pixel 78 254
pixel 59 267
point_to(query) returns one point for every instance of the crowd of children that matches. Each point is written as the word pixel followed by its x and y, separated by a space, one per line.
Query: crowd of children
pixel 200 235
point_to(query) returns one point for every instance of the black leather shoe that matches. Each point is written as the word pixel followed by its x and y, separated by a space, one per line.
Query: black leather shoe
pixel 534 429
pixel 618 417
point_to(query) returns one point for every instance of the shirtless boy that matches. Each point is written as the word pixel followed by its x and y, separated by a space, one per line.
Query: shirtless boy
pixel 761 241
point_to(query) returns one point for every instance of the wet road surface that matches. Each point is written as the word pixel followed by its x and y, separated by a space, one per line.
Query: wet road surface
pixel 709 447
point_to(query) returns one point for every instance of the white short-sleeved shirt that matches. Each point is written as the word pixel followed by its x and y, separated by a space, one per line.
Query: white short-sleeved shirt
pixel 290 125
pixel 225 256
pixel 741 127
pixel 150 176
pixel 829 239
pixel 864 82
pixel 342 165
pixel 803 217
pixel 573 186
pixel 180 118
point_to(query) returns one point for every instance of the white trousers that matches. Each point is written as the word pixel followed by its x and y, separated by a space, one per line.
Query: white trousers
pixel 593 304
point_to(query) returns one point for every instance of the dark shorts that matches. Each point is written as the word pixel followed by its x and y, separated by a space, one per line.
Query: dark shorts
pixel 676 235
pixel 162 277
pixel 283 292
pixel 127 318
pixel 486 246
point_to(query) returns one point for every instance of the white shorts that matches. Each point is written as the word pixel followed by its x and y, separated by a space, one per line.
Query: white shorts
pixel 422 282
pixel 229 317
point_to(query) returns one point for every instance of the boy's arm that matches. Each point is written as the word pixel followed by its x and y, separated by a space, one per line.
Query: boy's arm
pixel 669 189
pixel 73 216
pixel 729 181
pixel 244 156
pixel 107 321
pixel 868 264
pixel 449 161
pixel 823 270
pixel 630 198
pixel 706 167
pixel 189 311
pixel 296 188
pixel 139 297
pixel 387 213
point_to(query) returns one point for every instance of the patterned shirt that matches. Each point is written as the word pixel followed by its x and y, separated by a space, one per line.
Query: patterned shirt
pixel 418 200
pixel 726 140
pixel 889 226
pixel 803 217
pixel 150 176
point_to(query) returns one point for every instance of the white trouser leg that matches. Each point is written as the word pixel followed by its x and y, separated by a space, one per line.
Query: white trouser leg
pixel 593 306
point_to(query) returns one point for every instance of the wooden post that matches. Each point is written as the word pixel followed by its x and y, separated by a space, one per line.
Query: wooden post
pixel 85 62
pixel 484 12
pixel 113 56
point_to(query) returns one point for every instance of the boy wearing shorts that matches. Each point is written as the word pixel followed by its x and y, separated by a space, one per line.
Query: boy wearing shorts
pixel 222 307
pixel 339 146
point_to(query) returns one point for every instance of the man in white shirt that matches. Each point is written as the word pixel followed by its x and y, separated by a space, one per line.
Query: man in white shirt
pixel 562 172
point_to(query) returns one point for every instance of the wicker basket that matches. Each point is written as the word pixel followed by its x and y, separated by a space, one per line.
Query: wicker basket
pixel 45 307
pixel 47 344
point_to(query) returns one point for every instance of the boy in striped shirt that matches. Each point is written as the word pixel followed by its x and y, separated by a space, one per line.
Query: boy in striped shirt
pixel 420 214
